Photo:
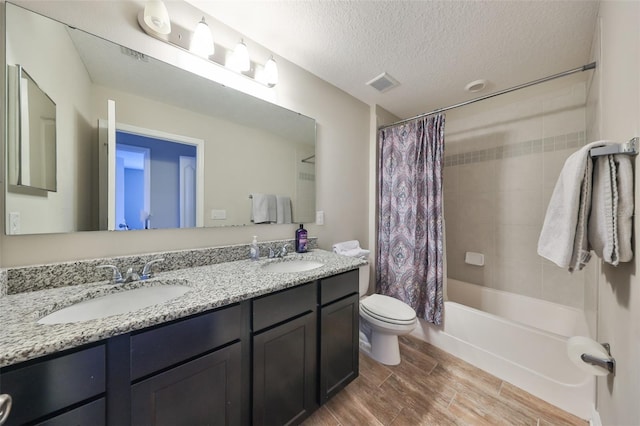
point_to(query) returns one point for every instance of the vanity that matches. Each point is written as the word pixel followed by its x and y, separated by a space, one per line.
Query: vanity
pixel 249 342
pixel 244 346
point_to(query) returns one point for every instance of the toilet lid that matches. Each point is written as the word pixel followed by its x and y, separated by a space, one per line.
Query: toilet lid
pixel 388 309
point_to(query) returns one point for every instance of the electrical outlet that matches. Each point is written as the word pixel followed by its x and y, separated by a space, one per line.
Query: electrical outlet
pixel 320 217
pixel 218 214
pixel 14 223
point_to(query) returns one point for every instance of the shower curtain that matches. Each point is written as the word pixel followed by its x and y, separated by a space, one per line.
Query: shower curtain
pixel 410 254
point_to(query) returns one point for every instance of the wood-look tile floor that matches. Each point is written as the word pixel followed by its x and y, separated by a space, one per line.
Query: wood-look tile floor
pixel 431 387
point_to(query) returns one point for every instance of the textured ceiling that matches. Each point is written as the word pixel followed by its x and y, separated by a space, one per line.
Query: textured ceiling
pixel 434 48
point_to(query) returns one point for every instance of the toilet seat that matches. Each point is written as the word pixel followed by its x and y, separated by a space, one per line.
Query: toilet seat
pixel 388 310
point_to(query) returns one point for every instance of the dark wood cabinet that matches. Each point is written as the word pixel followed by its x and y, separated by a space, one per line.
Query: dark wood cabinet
pixel 205 391
pixel 339 333
pixel 190 371
pixel 45 388
pixel 285 357
pixel 90 414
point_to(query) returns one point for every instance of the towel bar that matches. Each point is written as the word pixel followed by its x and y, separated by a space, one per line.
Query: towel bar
pixel 629 148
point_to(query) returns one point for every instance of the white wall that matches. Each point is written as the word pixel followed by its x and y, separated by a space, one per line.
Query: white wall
pixel 342 175
pixel 614 110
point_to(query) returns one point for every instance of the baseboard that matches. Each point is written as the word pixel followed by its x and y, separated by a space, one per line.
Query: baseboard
pixel 595 418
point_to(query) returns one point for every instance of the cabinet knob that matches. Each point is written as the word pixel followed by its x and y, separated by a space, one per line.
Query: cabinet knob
pixel 5 407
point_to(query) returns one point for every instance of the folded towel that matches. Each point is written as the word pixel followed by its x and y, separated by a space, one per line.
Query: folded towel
pixel 610 221
pixel 351 248
pixel 557 240
pixel 346 245
pixel 625 207
pixel 263 208
pixel 283 209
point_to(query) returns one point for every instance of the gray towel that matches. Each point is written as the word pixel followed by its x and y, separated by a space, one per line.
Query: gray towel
pixel 610 221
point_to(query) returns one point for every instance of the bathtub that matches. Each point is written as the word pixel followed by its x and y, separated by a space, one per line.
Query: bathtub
pixel 519 339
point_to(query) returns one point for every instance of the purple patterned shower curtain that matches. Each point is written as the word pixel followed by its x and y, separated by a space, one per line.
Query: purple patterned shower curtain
pixel 410 256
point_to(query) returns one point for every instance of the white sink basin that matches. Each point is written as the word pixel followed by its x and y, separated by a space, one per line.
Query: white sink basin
pixel 297 265
pixel 115 304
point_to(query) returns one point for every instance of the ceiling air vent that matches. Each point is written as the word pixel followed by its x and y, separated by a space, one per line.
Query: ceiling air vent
pixel 383 82
pixel 136 55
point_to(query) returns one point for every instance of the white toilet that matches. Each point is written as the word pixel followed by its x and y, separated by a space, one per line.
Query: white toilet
pixel 382 320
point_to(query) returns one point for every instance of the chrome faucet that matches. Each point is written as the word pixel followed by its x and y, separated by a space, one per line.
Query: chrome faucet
pixel 117 276
pixel 282 252
pixel 131 275
pixel 146 271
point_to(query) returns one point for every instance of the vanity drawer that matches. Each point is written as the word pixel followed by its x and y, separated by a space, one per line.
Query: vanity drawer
pixel 41 388
pixel 339 286
pixel 172 343
pixel 93 413
pixel 277 307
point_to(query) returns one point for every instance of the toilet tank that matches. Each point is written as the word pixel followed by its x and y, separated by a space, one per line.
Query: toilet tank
pixel 364 280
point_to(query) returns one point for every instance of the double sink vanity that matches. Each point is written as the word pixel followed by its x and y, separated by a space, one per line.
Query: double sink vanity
pixel 236 342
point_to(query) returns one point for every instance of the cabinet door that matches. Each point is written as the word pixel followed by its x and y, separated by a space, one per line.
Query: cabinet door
pixel 339 345
pixel 205 391
pixel 284 372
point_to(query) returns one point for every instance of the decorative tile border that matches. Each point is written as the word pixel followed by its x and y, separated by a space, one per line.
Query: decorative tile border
pixel 33 278
pixel 3 282
pixel 535 146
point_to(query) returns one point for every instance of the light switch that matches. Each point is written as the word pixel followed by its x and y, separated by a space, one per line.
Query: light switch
pixel 320 217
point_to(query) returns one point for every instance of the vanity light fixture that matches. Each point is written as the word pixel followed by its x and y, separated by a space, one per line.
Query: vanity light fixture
pixel 154 20
pixel 202 40
pixel 271 72
pixel 156 17
pixel 241 61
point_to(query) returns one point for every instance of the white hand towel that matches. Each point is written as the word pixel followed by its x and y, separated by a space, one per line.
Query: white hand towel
pixel 558 236
pixel 283 209
pixel 263 208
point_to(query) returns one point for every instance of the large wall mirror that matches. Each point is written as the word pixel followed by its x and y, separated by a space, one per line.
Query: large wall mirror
pixel 141 144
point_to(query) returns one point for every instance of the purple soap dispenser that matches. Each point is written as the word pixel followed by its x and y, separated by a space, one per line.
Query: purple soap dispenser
pixel 301 239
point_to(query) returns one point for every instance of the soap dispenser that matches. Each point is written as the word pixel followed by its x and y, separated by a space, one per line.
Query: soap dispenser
pixel 254 251
pixel 301 240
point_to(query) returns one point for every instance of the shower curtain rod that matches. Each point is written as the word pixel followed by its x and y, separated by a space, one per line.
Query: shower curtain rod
pixel 586 67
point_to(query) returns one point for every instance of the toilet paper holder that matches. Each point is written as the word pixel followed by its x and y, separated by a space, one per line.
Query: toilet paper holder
pixel 608 363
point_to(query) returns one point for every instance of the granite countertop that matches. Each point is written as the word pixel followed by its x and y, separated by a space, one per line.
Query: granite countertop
pixel 213 286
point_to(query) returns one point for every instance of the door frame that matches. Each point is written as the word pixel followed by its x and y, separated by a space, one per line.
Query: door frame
pixel 170 137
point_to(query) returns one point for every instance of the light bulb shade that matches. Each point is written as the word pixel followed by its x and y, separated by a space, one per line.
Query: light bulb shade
pixel 156 17
pixel 271 72
pixel 202 40
pixel 241 57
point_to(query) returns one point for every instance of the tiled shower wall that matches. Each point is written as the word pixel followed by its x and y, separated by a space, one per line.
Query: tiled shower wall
pixel 502 160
